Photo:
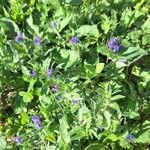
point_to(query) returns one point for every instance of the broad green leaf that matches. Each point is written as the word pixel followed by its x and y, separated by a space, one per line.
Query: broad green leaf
pixel 146 39
pixel 117 97
pixel 46 63
pixel 93 70
pixel 108 118
pixel 65 22
pixel 50 137
pixel 144 137
pixel 133 54
pixel 9 26
pixel 24 118
pixel 27 96
pixel 2 143
pixel 31 27
pixel 55 4
pixel 146 25
pixel 115 106
pixel 88 30
pixel 144 133
pixel 73 57
pixel 99 67
pixel 96 146
pixel 105 51
pixel 77 133
pixel 106 23
pixel 112 137
pixel 32 82
pixel 25 71
pixel 64 130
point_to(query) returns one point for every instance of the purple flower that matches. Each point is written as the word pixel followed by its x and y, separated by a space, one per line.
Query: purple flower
pixel 39 125
pixel 114 45
pixel 18 140
pixel 33 73
pixel 53 25
pixel 50 72
pixel 37 41
pixel 55 88
pixel 130 137
pixel 36 119
pixel 74 40
pixel 19 37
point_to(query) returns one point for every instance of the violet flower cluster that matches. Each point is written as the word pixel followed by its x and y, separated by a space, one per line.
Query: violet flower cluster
pixel 37 121
pixel 37 41
pixel 19 37
pixel 74 40
pixel 114 45
pixel 50 72
pixel 33 73
pixel 18 140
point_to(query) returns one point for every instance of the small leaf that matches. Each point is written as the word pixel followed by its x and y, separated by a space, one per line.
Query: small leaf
pixel 117 97
pixel 99 67
pixel 112 137
pixel 27 96
pixel 108 117
pixel 106 23
pixel 24 118
pixel 32 82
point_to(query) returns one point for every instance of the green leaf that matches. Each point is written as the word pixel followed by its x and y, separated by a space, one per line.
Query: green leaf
pixel 112 137
pixel 65 22
pixel 24 118
pixel 115 106
pixel 46 63
pixel 2 143
pixel 32 82
pixel 9 26
pixel 108 117
pixel 27 96
pixel 104 51
pixel 73 57
pixel 99 67
pixel 25 71
pixel 31 27
pixel 132 54
pixel 55 4
pixel 144 138
pixel 144 133
pixel 93 70
pixel 77 133
pixel 64 130
pixel 88 30
pixel 96 146
pixel 106 23
pixel 117 97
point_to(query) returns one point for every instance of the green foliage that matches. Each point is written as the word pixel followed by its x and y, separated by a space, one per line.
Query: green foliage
pixel 93 98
